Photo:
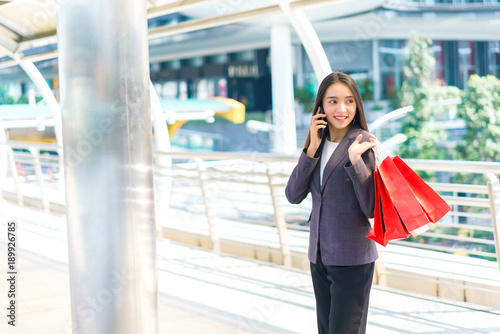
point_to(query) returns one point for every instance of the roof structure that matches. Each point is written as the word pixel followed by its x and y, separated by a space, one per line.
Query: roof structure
pixel 28 28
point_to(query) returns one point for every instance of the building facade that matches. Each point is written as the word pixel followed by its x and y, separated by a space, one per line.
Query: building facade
pixel 368 43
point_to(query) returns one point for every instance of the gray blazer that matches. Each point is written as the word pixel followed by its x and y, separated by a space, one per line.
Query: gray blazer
pixel 341 205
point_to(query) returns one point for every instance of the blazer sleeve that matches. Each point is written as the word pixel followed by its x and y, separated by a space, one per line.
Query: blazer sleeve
pixel 361 174
pixel 297 187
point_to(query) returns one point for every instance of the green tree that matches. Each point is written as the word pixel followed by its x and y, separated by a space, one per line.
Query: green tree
pixel 305 97
pixel 480 110
pixel 423 134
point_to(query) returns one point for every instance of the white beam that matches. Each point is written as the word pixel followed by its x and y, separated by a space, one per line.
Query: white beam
pixel 176 7
pixel 162 139
pixel 10 47
pixel 210 22
pixel 162 142
pixel 33 58
pixel 309 39
pixel 39 81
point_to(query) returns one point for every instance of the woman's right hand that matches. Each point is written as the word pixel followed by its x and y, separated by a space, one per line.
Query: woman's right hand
pixel 317 124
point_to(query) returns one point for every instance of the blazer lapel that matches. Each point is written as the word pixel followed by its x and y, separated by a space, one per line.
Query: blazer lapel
pixel 339 154
pixel 316 172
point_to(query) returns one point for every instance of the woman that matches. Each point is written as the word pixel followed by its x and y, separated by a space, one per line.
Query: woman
pixel 336 167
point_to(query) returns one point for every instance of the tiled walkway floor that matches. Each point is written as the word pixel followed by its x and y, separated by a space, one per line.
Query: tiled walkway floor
pixel 202 292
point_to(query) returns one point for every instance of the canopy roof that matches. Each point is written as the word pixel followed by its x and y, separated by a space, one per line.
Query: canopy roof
pixel 28 28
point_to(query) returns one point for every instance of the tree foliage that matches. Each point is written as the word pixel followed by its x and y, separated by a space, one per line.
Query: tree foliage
pixel 424 135
pixel 480 110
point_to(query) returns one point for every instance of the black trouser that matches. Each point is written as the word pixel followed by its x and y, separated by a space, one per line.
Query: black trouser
pixel 342 296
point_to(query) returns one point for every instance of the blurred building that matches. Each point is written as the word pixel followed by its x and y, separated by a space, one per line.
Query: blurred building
pixel 370 45
pixel 366 39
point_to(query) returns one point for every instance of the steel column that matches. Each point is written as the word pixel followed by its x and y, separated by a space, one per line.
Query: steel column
pixel 105 99
pixel 284 137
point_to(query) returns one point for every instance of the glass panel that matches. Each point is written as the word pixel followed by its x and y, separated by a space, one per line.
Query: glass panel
pixel 494 58
pixel 392 61
pixel 437 51
pixel 465 62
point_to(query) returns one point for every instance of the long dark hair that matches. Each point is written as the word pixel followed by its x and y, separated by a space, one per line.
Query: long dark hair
pixel 330 79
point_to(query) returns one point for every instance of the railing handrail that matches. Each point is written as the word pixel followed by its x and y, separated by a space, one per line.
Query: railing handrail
pixel 253 156
pixel 477 167
pixel 423 164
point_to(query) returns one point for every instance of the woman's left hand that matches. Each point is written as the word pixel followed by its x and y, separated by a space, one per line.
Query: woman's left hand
pixel 357 148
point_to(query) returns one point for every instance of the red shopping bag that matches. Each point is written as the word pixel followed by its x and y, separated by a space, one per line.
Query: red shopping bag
pixel 377 231
pixel 393 225
pixel 387 223
pixel 434 206
pixel 405 202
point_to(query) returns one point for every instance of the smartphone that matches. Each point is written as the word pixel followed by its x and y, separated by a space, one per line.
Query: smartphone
pixel 322 111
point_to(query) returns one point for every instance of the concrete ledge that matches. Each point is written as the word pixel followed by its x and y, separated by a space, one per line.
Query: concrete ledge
pixel 34 202
pixel 236 248
pixel 482 295
pixel 420 271
pixel 454 277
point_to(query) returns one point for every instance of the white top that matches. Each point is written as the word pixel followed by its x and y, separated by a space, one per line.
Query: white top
pixel 328 150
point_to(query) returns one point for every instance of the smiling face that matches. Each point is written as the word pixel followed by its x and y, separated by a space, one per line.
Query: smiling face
pixel 340 108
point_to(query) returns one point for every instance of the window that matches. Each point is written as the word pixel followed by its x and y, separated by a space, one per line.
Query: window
pixel 494 58
pixel 392 61
pixel 466 62
pixel 437 51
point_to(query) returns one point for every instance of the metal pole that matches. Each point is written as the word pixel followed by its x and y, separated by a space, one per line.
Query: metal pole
pixel 279 220
pixel 15 175
pixel 494 196
pixel 104 72
pixel 39 178
pixel 212 227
